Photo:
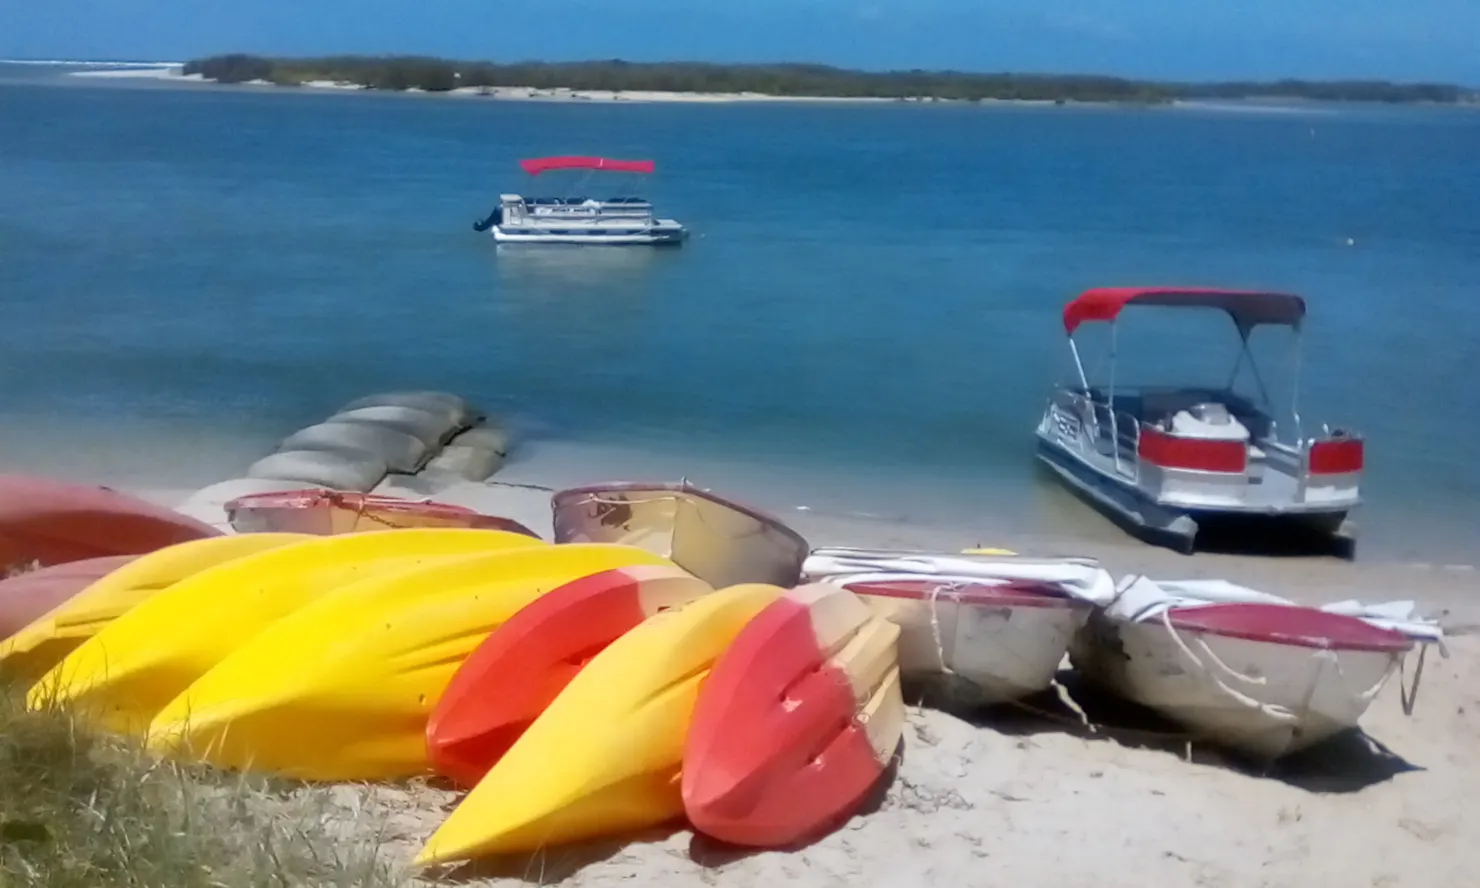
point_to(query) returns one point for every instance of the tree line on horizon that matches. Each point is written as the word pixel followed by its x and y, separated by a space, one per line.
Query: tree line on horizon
pixel 399 73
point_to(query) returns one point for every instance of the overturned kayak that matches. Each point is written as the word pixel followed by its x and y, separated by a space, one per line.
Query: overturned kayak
pixel 123 676
pixel 604 758
pixel 523 666
pixel 341 688
pixel 1243 669
pixel 27 596
pixel 718 541
pixel 797 721
pixel 45 640
pixel 46 522
pixel 329 512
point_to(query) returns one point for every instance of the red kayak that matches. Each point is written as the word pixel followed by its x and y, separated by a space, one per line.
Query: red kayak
pixel 26 596
pixel 328 512
pixel 797 721
pixel 54 522
pixel 504 685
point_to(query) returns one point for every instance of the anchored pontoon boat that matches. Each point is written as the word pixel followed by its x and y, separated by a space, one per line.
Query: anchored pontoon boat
pixel 580 220
pixel 1157 459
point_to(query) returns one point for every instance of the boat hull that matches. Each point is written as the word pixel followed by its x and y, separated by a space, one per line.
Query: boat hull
pixel 1231 675
pixel 977 643
pixel 29 596
pixel 718 541
pixel 1129 508
pixel 634 236
pixel 332 512
pixel 49 522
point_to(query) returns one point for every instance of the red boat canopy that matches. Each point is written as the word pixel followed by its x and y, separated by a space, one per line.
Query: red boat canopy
pixel 535 166
pixel 1247 308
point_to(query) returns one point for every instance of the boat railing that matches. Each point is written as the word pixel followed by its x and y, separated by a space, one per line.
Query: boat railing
pixel 1116 430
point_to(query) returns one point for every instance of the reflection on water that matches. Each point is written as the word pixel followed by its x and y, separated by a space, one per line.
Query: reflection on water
pixel 581 264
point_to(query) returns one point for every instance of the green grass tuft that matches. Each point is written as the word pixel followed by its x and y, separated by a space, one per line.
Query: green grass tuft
pixel 83 810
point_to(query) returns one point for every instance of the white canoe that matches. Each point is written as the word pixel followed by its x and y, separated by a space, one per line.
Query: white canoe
pixel 1249 671
pixel 986 628
pixel 978 641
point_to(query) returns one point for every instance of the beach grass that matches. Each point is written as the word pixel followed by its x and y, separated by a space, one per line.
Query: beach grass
pixel 85 810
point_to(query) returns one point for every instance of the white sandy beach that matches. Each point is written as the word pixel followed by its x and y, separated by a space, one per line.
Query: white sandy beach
pixel 1030 796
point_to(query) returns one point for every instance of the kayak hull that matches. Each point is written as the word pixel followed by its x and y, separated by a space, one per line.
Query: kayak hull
pixel 603 759
pixel 328 512
pixel 521 668
pixel 798 720
pixel 47 522
pixel 42 643
pixel 125 674
pixel 341 688
pixel 28 596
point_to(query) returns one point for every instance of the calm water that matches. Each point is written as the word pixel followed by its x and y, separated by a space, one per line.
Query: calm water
pixel 867 315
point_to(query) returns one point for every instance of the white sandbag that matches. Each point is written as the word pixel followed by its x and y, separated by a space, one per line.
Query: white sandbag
pixel 209 503
pixel 334 469
pixel 491 438
pixel 400 450
pixel 433 429
pixel 458 411
pixel 469 463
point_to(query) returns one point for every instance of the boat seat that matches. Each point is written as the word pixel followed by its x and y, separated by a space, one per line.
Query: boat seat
pixel 1208 420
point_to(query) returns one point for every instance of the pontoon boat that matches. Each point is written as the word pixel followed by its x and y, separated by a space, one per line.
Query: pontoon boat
pixel 1158 459
pixel 580 220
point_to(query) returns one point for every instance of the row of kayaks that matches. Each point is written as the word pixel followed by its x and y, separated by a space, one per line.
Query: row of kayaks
pixel 671 655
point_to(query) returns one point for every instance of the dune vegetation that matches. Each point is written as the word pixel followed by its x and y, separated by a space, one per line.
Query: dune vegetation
pixel 81 810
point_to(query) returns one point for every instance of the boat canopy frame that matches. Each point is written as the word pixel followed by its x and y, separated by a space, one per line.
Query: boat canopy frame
pixel 1248 310
pixel 535 166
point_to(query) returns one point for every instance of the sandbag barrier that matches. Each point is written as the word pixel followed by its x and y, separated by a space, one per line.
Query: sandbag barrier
pixel 386 439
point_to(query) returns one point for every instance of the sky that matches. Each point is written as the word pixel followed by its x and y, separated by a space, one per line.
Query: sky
pixel 1175 39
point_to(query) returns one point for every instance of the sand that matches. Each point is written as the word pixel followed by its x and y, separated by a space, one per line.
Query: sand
pixel 1029 795
pixel 1011 798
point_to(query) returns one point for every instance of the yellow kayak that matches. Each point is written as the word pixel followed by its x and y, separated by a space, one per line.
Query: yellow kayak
pixel 604 758
pixel 46 640
pixel 342 688
pixel 123 676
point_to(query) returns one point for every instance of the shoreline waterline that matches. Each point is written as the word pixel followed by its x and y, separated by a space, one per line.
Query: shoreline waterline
pixel 854 503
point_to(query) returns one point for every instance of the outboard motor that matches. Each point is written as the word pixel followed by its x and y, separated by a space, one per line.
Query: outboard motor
pixel 494 218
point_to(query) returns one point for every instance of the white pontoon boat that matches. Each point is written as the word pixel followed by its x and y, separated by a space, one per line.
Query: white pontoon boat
pixel 580 220
pixel 1158 459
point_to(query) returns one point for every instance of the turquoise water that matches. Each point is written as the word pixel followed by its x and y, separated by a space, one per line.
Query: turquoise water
pixel 867 315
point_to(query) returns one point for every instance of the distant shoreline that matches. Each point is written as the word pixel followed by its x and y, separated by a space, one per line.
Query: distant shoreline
pixel 446 78
pixel 700 81
pixel 174 72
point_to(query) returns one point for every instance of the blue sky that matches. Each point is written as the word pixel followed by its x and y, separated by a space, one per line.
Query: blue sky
pixel 1195 39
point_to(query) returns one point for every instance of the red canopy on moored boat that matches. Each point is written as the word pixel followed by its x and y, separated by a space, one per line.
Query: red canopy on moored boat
pixel 1248 308
pixel 536 165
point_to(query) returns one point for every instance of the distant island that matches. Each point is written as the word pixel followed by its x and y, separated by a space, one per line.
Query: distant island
pixel 403 73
